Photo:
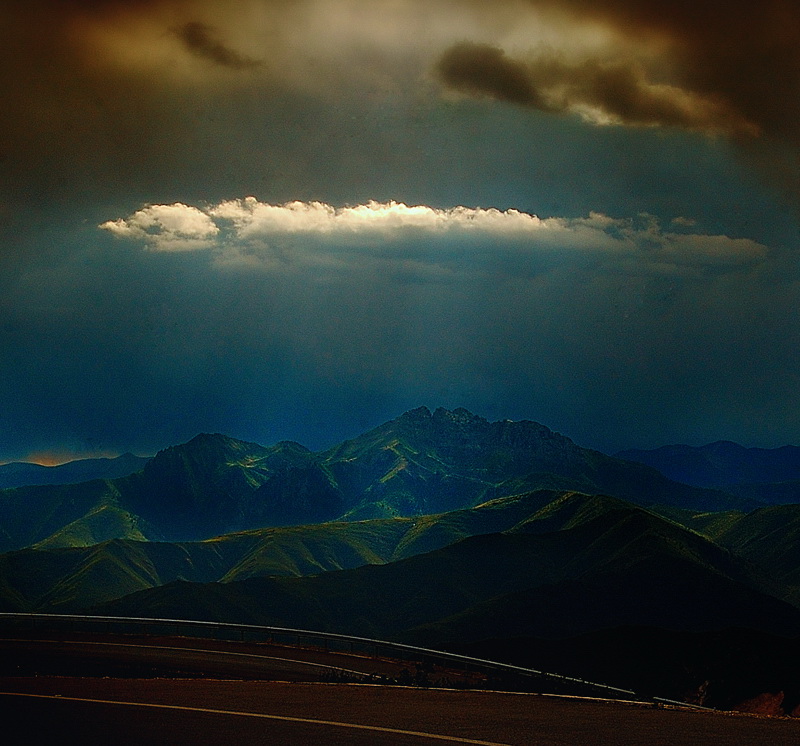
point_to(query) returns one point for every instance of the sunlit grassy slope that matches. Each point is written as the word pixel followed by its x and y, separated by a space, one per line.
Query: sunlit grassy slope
pixel 59 578
pixel 578 567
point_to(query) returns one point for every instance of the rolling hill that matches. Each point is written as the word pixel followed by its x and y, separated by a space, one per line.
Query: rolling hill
pixel 586 564
pixel 65 579
pixel 768 537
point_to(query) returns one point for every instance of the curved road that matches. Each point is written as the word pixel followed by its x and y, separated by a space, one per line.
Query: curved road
pixel 134 711
pixel 192 657
pixel 148 697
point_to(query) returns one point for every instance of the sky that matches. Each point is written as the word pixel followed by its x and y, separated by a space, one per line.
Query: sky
pixel 296 219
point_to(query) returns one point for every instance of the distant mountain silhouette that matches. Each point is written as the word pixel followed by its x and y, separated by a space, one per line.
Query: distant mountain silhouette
pixel 721 464
pixel 22 473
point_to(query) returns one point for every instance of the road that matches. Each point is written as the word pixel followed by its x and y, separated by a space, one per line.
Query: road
pixel 128 690
pixel 129 656
pixel 42 653
pixel 136 711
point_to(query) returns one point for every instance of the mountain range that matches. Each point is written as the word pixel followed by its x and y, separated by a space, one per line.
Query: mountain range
pixel 419 463
pixel 440 529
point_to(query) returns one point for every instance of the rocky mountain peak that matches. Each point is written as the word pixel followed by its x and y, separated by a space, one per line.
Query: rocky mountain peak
pixel 420 414
pixel 459 416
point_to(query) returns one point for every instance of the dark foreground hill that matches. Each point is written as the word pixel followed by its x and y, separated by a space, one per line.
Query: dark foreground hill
pixel 417 464
pixel 732 668
pixel 602 564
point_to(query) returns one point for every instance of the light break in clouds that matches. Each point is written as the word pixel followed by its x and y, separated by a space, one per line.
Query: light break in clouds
pixel 233 224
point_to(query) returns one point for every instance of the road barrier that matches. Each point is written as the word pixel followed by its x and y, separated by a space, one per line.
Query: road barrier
pixel 495 675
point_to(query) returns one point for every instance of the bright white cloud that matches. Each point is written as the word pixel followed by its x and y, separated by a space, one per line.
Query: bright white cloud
pixel 253 218
pixel 175 227
pixel 319 234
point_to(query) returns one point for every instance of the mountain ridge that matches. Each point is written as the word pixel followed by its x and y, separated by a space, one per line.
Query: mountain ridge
pixel 419 463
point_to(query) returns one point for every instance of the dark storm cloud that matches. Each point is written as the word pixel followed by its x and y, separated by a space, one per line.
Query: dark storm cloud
pixel 102 102
pixel 745 55
pixel 614 92
pixel 202 41
pixel 483 69
pixel 718 67
pixel 748 53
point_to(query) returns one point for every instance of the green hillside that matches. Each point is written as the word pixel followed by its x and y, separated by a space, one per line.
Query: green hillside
pixel 715 668
pixel 29 515
pixel 50 577
pixel 624 564
pixel 769 537
pixel 533 567
pixel 102 523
